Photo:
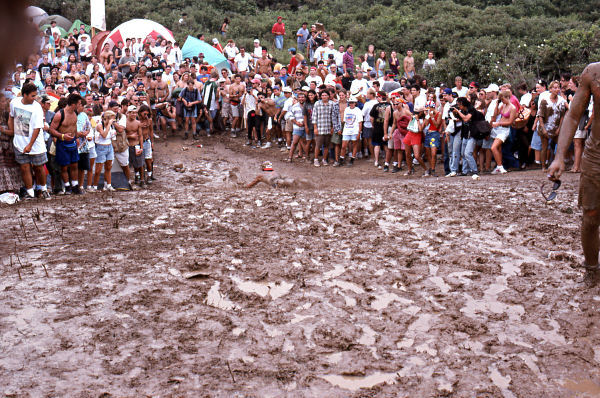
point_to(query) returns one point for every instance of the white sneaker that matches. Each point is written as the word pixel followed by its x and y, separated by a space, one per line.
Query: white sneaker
pixel 451 174
pixel 92 189
pixel 376 164
pixel 316 163
pixel 324 162
pixel 499 170
pixel 108 188
pixel 267 145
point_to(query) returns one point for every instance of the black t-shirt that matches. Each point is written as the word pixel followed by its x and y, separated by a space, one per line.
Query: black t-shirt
pixel 378 115
pixel 156 70
pixel 104 90
pixel 476 116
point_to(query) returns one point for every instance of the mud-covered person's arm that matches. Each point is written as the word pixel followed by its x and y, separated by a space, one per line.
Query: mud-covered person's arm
pixel 255 181
pixel 579 104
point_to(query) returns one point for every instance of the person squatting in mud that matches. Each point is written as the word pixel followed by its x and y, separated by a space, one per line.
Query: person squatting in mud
pixel 272 178
pixel 589 186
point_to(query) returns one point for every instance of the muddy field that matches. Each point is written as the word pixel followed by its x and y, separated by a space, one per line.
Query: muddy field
pixel 365 285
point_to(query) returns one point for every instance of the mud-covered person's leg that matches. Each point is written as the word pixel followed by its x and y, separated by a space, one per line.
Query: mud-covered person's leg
pixel 589 200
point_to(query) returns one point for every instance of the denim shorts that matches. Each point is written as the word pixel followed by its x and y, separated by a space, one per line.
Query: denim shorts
pixel 25 158
pixel 92 152
pixel 147 149
pixel 300 133
pixel 536 141
pixel 352 137
pixel 432 139
pixel 104 153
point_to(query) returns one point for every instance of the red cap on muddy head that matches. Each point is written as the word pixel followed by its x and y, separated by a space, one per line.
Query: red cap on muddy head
pixel 267 166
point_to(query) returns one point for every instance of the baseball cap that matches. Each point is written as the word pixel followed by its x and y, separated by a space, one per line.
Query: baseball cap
pixel 112 104
pixel 287 90
pixel 132 108
pixel 448 91
pixel 291 49
pixel 256 41
pixel 492 88
pixel 19 65
pixel 474 84
pixel 140 84
pixel 257 81
pixel 132 64
pixel 352 99
pixel 215 40
pixel 373 74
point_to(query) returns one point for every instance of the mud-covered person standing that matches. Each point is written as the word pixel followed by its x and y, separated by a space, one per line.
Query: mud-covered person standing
pixel 135 139
pixel 589 185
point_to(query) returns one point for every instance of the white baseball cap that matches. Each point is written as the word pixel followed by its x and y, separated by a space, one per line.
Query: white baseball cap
pixel 492 88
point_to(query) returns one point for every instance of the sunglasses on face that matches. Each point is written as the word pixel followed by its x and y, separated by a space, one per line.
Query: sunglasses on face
pixel 552 195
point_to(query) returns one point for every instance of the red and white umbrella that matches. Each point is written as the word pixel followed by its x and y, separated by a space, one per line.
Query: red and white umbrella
pixel 138 28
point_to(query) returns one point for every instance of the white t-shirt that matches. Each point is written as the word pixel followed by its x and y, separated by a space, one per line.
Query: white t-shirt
pixel 462 92
pixel 525 99
pixel 330 79
pixel 231 51
pixel 242 61
pixel 352 118
pixel 27 118
pixel 490 110
pixel 85 48
pixel 286 107
pixel 317 79
pixel 367 113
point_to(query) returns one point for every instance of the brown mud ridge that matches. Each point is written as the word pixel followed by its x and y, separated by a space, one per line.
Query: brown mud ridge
pixel 370 285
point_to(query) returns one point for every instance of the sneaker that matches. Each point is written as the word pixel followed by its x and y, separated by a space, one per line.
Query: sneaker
pixel 148 181
pixel 316 163
pixel 76 190
pixel 195 136
pixel 341 161
pixel 395 169
pixel 233 134
pixel 66 190
pixel 451 174
pixel 415 161
pixel 324 162
pixel 351 162
pixel 427 173
pixel 499 170
pixel 143 185
pixel 28 197
pixel 433 173
pixel 248 142
pixel 152 177
pixel 133 187
pixel 258 144
pixel 266 146
pixel 359 155
pixel 336 164
pixel 186 135
pixel 45 195
pixel 386 168
pixel 156 136
pixel 91 189
pixel 410 172
pixel 137 179
pixel 108 188
pixel 376 164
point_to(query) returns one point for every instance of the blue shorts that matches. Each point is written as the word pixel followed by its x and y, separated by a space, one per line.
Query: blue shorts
pixel 367 132
pixel 487 143
pixel 352 137
pixel 66 153
pixel 432 139
pixel 300 133
pixel 104 153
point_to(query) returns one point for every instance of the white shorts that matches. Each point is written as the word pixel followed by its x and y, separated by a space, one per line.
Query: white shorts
pixel 235 110
pixel 500 133
pixel 123 157
pixel 581 134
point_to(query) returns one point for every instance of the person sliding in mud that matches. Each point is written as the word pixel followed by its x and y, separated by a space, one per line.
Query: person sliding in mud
pixel 276 180
pixel 589 184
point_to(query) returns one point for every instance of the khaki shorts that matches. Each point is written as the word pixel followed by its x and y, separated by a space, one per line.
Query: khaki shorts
pixel 336 138
pixel 289 126
pixel 323 140
pixel 589 192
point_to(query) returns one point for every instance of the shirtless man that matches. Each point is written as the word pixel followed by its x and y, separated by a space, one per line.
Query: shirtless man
pixel 225 105
pixel 161 95
pixel 409 65
pixel 64 128
pixel 589 185
pixel 135 139
pixel 263 64
pixel 105 53
pixel 267 109
pixel 236 91
pixel 146 126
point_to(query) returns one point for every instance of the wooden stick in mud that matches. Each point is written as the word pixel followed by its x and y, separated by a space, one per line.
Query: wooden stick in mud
pixel 230 372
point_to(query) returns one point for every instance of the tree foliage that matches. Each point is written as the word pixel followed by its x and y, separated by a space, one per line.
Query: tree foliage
pixel 483 40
